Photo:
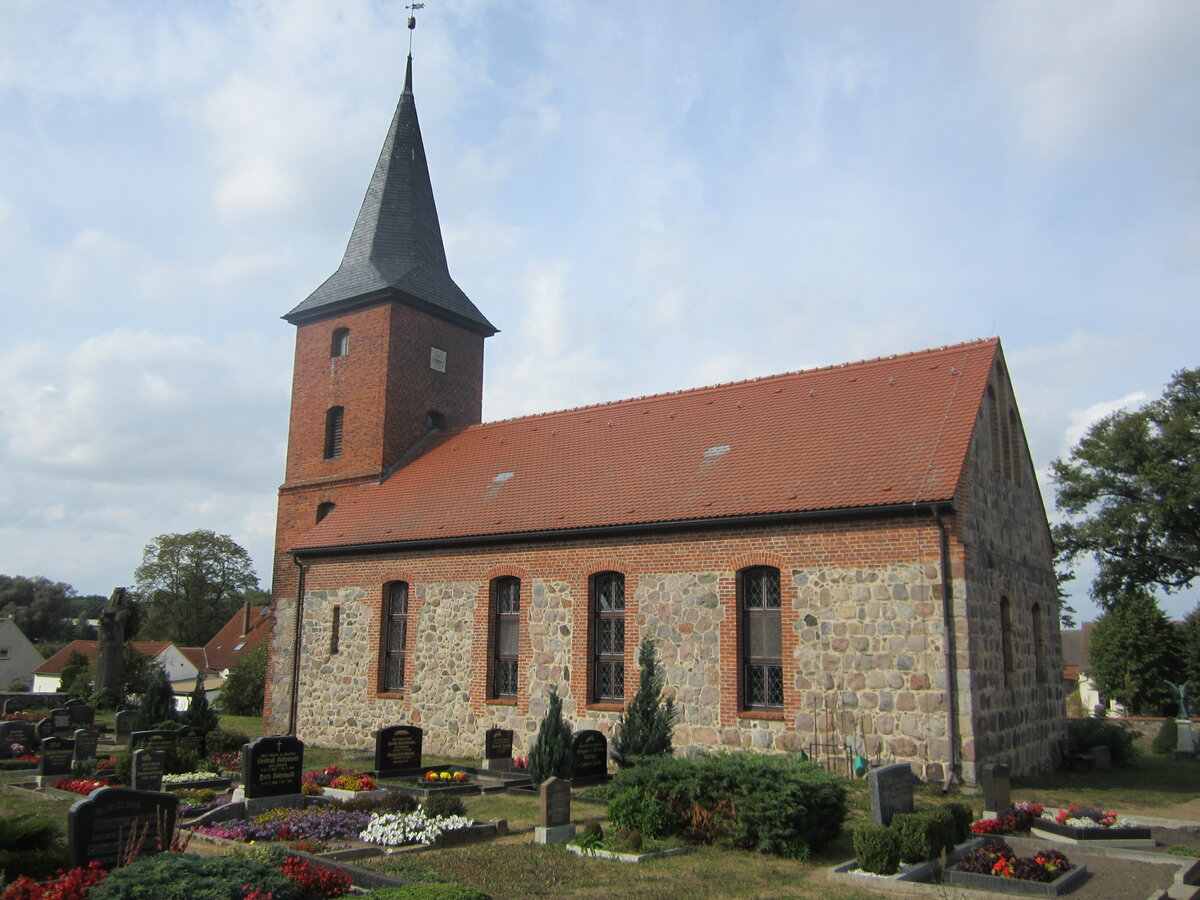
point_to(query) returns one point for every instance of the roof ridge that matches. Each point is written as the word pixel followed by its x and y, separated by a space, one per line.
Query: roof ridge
pixel 728 384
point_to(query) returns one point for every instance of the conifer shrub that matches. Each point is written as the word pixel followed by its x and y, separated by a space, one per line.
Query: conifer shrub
pixel 158 703
pixel 183 876
pixel 876 848
pixel 551 753
pixel 199 713
pixel 646 726
pixel 638 809
pixel 1167 739
pixel 31 845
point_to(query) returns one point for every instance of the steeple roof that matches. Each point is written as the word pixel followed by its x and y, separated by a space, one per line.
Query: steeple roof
pixel 395 250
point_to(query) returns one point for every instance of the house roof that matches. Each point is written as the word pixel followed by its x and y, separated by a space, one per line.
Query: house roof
pixel 878 433
pixel 235 638
pixel 91 649
pixel 395 249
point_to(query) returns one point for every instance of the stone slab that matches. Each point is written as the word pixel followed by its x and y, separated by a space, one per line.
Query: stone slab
pixel 557 834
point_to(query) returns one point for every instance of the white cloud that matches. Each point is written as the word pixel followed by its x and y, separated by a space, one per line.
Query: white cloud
pixel 1079 421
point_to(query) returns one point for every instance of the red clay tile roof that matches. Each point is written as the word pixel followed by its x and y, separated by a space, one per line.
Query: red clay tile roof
pixel 220 651
pixel 875 433
pixel 91 649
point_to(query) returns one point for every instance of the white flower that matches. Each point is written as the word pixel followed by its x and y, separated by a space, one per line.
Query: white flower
pixel 396 829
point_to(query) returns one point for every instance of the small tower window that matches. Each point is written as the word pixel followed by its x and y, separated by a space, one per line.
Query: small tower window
pixel 333 432
pixel 435 420
pixel 340 345
pixel 324 509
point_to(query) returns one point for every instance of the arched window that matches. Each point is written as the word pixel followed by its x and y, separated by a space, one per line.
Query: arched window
pixel 395 635
pixel 1014 441
pixel 333 432
pixel 506 631
pixel 994 423
pixel 1039 649
pixel 608 636
pixel 1006 642
pixel 339 344
pixel 324 509
pixel 762 638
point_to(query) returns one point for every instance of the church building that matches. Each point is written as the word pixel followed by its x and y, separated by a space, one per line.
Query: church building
pixel 852 556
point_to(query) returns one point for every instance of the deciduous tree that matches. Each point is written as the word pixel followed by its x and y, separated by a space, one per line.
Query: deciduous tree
pixel 1131 493
pixel 1133 652
pixel 190 584
pixel 41 608
pixel 242 693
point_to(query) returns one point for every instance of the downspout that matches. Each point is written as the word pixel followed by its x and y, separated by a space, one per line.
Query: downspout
pixel 294 700
pixel 952 770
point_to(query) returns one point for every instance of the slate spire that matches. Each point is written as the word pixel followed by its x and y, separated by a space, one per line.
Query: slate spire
pixel 395 250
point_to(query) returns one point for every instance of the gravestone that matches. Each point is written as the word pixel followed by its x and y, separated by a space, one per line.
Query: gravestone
pixel 57 756
pixel 1102 756
pixel 23 734
pixel 554 813
pixel 81 714
pixel 272 766
pixel 61 719
pixel 45 728
pixel 86 742
pixel 997 790
pixel 589 749
pixel 124 724
pixel 112 822
pixel 1185 740
pixel 147 771
pixel 498 748
pixel 13 704
pixel 192 738
pixel 397 748
pixel 153 740
pixel 891 792
pixel 73 702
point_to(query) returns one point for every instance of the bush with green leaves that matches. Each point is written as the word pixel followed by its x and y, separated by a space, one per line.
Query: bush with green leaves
pixel 430 891
pixel 104 700
pixel 199 713
pixel 876 848
pixel 1167 739
pixel 639 809
pixel 393 802
pixel 243 691
pixel 224 740
pixel 1119 739
pixel 923 835
pixel 752 801
pixel 962 816
pixel 551 754
pixel 183 876
pixel 646 726
pixel 443 805
pixel 31 845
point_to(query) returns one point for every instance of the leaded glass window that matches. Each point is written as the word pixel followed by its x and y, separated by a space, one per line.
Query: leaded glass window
pixel 395 623
pixel 506 630
pixel 762 638
pixel 608 636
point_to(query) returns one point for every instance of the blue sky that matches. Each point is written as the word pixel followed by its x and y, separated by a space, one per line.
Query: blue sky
pixel 641 197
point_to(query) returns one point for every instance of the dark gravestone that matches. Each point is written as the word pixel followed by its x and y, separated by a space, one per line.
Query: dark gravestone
pixel 397 748
pixel 192 739
pixel 272 766
pixel 497 745
pixel 45 728
pixel 57 755
pixel 23 734
pixel 73 702
pixel 891 792
pixel 590 751
pixel 116 822
pixel 153 740
pixel 124 723
pixel 61 719
pixel 86 742
pixel 147 771
pixel 13 704
pixel 997 789
pixel 81 715
pixel 554 803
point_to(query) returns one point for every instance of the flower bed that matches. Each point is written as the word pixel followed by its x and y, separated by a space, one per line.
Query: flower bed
pixel 996 867
pixel 312 824
pixel 1086 823
pixel 196 779
pixel 1020 819
pixel 82 786
pixel 313 784
pixel 399 829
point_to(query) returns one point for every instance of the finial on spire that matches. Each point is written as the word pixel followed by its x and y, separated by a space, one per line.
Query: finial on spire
pixel 412 22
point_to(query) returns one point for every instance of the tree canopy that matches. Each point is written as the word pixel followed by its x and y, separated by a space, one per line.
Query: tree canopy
pixel 190 584
pixel 1132 653
pixel 1131 493
pixel 243 691
pixel 42 609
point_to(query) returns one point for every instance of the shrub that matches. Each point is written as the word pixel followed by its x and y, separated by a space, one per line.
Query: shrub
pixel 963 817
pixel 104 700
pixel 199 712
pixel 221 740
pixel 551 753
pixel 1167 739
pixel 182 876
pixel 638 809
pixel 1088 733
pixel 645 727
pixel 444 805
pixel 432 891
pixel 750 800
pixel 394 802
pixel 876 848
pixel 30 845
pixel 158 703
pixel 918 836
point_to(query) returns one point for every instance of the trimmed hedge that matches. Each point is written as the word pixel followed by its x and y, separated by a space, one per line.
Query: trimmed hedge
pixel 751 801
pixel 876 848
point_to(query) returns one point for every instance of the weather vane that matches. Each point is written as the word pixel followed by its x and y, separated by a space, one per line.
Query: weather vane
pixel 412 22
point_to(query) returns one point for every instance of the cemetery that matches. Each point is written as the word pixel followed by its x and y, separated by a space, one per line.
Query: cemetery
pixel 375 822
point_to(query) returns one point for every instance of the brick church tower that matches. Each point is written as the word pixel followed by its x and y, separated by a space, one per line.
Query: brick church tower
pixel 389 350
